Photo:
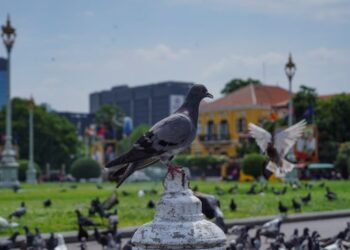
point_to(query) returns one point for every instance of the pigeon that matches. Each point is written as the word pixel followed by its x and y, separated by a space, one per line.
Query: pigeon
pixel 47 203
pixel 110 202
pixel 331 196
pixel 84 221
pixel 29 237
pixel 140 193
pixel 283 209
pixel 38 242
pixel 272 228
pixel 100 238
pixel 19 212
pixel 128 246
pixel 211 209
pixel 151 204
pixel 60 243
pixel 306 199
pixel 233 205
pixel 51 242
pixel 163 141
pixel 233 189
pixel 277 147
pixel 6 224
pixel 82 234
pixel 10 242
pixel 296 205
pixel 252 189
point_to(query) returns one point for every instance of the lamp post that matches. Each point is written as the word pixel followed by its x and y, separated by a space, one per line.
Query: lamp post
pixel 290 69
pixel 9 166
pixel 31 172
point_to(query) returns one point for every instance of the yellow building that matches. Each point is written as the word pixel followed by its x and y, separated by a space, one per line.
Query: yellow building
pixel 223 123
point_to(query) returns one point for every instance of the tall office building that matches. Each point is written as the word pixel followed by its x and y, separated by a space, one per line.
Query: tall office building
pixel 3 82
pixel 144 104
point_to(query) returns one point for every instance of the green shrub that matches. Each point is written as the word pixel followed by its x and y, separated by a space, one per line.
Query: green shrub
pixel 85 168
pixel 253 164
pixel 343 159
pixel 22 169
pixel 200 160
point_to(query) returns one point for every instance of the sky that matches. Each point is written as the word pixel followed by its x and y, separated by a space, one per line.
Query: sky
pixel 67 49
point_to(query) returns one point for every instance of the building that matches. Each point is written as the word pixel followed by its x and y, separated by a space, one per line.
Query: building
pixel 3 82
pixel 82 121
pixel 144 104
pixel 223 123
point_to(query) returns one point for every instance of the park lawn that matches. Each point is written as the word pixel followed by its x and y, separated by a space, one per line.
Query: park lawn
pixel 133 211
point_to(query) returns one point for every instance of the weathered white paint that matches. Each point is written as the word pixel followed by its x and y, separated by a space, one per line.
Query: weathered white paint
pixel 179 222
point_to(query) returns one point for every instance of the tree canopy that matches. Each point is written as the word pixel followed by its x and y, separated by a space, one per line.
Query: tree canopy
pixel 111 118
pixel 304 103
pixel 237 83
pixel 55 139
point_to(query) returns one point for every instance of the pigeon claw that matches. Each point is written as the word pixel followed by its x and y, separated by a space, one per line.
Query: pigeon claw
pixel 173 169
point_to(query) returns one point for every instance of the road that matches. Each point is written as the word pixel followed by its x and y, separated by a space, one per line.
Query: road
pixel 326 228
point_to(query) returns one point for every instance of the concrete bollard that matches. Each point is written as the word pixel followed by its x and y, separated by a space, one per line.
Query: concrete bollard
pixel 179 222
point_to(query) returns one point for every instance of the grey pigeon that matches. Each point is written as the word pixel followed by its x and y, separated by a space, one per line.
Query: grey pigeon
pixel 277 147
pixel 163 141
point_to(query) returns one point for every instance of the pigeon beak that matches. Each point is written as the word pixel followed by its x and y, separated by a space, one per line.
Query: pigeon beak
pixel 209 95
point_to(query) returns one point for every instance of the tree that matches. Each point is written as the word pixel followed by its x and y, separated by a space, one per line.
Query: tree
pixel 237 83
pixel 332 119
pixel 85 168
pixel 55 139
pixel 253 164
pixel 343 159
pixel 22 169
pixel 304 103
pixel 111 118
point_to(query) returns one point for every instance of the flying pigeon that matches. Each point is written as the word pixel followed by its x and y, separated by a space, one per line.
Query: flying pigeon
pixel 277 147
pixel 163 141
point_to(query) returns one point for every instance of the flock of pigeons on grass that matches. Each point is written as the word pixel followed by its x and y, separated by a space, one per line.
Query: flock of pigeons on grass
pixel 245 239
pixel 110 239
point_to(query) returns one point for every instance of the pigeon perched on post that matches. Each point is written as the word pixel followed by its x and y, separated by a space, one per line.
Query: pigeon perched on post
pixel 277 147
pixel 163 141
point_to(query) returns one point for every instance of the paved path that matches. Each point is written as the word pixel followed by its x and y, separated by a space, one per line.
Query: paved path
pixel 326 228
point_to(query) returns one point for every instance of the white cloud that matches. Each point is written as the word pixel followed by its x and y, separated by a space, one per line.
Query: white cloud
pixel 235 62
pixel 161 52
pixel 326 55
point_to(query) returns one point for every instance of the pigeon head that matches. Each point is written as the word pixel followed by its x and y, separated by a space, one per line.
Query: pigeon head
pixel 198 92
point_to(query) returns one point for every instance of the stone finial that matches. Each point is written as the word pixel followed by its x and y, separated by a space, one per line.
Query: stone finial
pixel 179 222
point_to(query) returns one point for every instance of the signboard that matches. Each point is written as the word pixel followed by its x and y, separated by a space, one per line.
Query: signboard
pixel 175 101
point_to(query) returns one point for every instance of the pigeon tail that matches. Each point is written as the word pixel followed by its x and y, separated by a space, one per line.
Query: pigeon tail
pixel 129 170
pixel 280 171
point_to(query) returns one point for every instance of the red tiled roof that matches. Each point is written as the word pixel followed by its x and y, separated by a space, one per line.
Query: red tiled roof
pixel 249 96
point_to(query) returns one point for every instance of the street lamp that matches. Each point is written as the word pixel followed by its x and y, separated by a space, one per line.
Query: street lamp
pixel 9 166
pixel 31 172
pixel 290 69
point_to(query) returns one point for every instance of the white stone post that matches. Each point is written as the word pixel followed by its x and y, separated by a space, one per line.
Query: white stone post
pixel 179 222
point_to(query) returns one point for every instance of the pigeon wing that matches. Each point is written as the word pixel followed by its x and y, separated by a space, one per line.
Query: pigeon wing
pixel 261 136
pixel 168 134
pixel 174 132
pixel 287 138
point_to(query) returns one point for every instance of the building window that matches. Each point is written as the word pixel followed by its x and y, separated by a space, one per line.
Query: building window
pixel 223 130
pixel 210 130
pixel 241 125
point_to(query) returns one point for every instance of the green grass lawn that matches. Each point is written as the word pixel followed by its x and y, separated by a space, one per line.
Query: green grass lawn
pixel 133 211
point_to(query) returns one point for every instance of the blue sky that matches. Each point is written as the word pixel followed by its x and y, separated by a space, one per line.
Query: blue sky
pixel 68 49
